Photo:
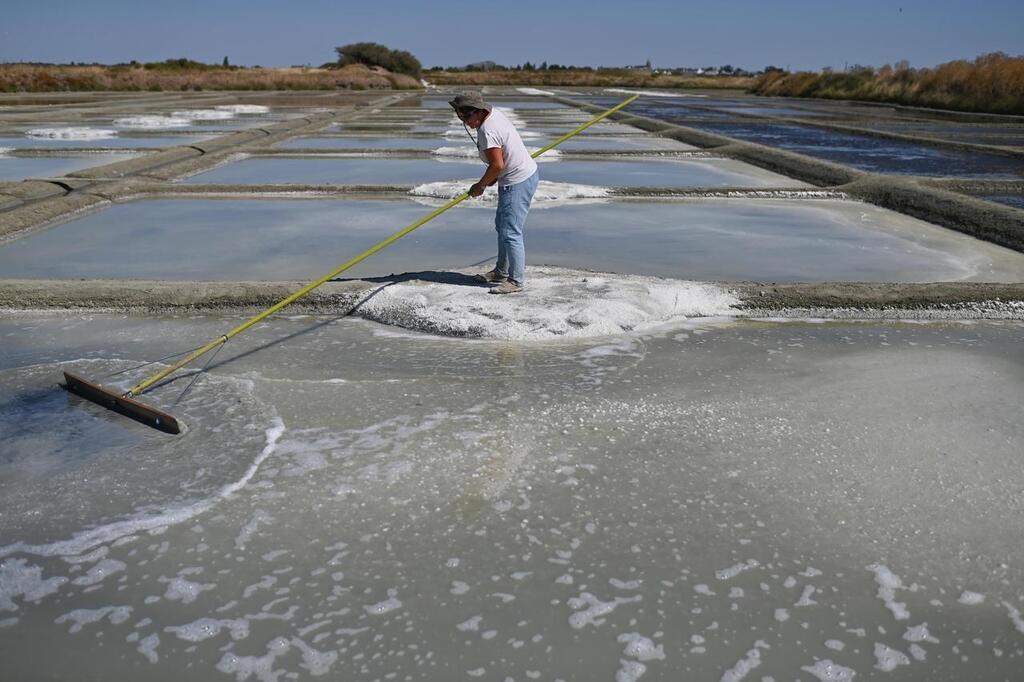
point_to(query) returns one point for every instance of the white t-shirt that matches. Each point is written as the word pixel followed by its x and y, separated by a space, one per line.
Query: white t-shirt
pixel 498 132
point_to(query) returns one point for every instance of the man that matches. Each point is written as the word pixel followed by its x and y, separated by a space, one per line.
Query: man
pixel 510 165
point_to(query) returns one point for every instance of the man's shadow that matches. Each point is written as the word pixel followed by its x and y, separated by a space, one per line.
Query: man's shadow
pixel 432 276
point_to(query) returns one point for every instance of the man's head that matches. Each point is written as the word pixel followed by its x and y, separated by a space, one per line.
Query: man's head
pixel 471 108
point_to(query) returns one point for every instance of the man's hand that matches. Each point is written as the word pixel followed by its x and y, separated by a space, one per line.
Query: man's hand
pixel 476 190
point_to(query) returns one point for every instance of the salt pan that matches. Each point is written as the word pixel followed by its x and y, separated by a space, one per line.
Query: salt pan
pixel 155 122
pixel 72 133
pixel 243 108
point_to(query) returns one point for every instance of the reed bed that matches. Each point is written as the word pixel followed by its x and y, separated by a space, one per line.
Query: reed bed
pixel 46 78
pixel 992 83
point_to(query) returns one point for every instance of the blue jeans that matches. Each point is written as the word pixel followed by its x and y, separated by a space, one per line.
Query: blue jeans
pixel 513 205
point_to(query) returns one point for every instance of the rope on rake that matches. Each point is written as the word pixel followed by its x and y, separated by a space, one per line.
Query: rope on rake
pixel 197 374
pixel 151 362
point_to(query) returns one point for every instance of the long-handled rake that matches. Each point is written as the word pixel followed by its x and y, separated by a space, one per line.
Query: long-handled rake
pixel 126 404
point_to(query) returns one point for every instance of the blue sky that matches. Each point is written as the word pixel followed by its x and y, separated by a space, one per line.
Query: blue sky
pixel 801 35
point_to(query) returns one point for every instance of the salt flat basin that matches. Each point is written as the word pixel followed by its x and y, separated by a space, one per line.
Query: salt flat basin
pixel 102 143
pixel 19 168
pixel 588 143
pixel 608 173
pixel 345 490
pixel 714 239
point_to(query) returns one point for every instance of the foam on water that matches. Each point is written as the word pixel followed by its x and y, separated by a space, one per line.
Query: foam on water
pixel 557 304
pixel 152 122
pixel 71 133
pixel 548 193
pixel 971 598
pixel 79 618
pixel 827 671
pixel 888 583
pixel 243 108
pixel 217 114
pixel 745 665
pixel 594 609
pixel 217 475
pixel 18 579
pixel 641 648
pixel 888 659
pixel 4 150
pixel 1015 617
pixel 472 153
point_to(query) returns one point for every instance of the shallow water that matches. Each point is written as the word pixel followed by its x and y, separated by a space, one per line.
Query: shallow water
pixel 859 151
pixel 615 173
pixel 773 111
pixel 765 240
pixel 997 135
pixel 1015 200
pixel 685 500
pixel 20 168
pixel 873 154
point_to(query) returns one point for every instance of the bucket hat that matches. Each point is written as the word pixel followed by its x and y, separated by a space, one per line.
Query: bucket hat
pixel 469 99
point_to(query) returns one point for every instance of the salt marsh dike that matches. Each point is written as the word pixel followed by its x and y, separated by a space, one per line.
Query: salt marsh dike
pixel 756 416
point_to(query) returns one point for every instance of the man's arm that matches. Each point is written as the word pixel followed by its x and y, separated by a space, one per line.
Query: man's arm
pixel 495 164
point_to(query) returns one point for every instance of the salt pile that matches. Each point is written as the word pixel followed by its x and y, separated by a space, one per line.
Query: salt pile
pixel 471 153
pixel 72 133
pixel 243 108
pixel 152 122
pixel 5 150
pixel 557 303
pixel 204 114
pixel 548 193
pixel 534 91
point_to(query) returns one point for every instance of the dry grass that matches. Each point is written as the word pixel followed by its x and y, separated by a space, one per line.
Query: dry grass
pixel 33 78
pixel 585 78
pixel 992 83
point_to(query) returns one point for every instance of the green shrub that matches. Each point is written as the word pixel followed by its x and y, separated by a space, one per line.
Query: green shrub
pixel 375 54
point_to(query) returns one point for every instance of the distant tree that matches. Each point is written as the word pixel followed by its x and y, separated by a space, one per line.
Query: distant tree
pixel 527 66
pixel 180 64
pixel 648 64
pixel 226 63
pixel 375 54
pixel 544 66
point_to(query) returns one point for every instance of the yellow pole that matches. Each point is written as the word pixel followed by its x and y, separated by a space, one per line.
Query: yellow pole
pixel 143 385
